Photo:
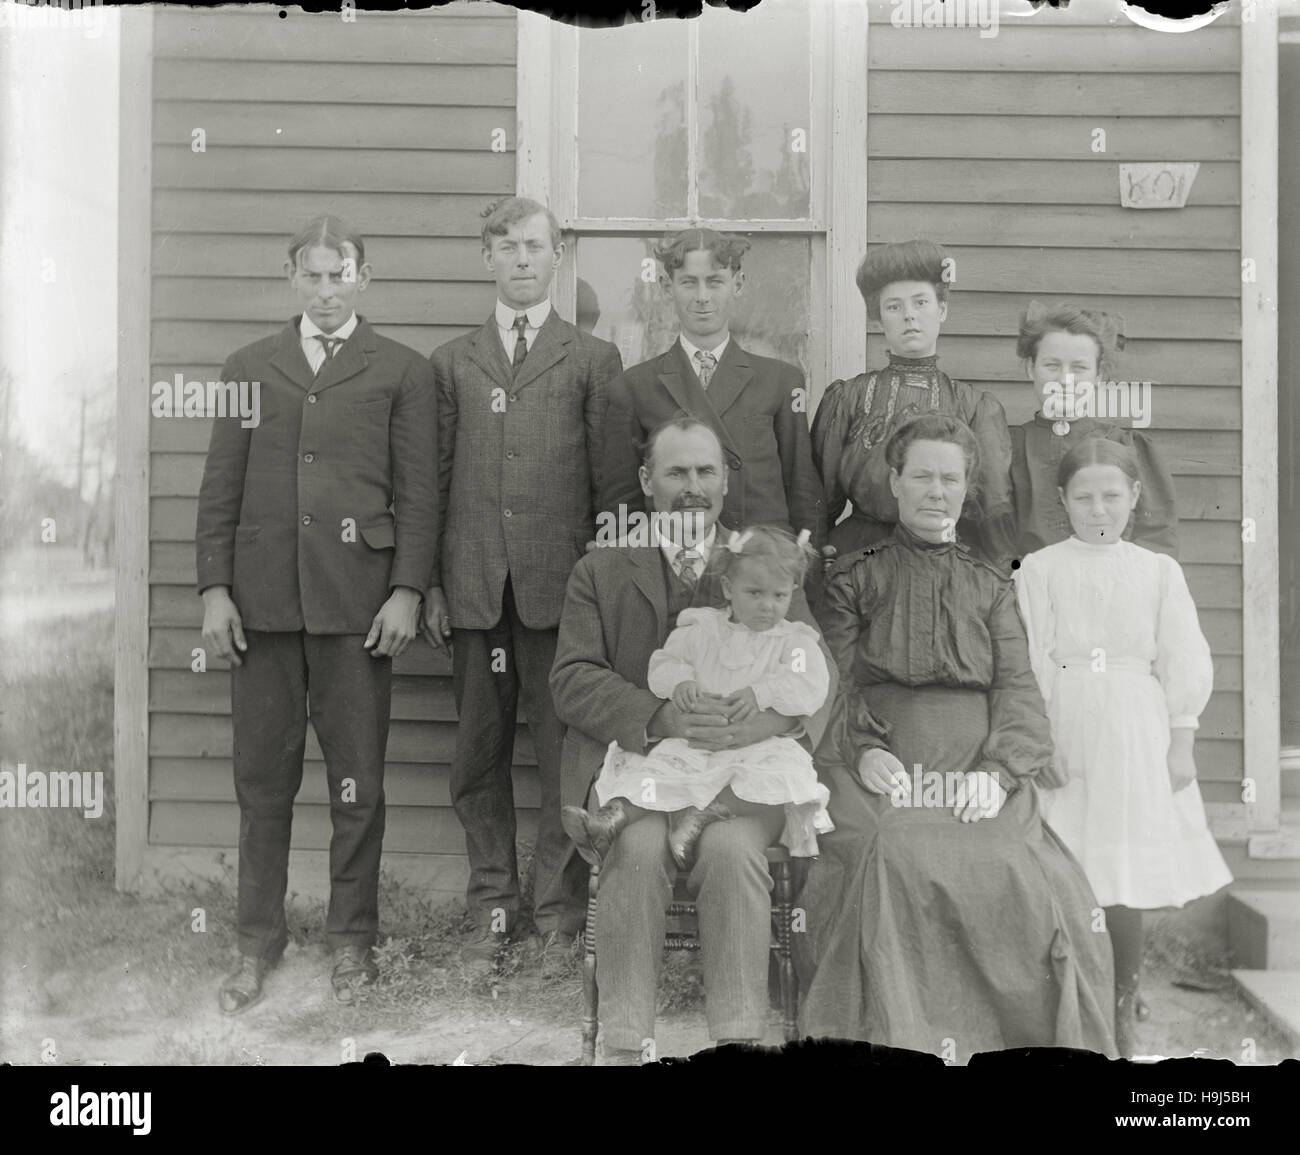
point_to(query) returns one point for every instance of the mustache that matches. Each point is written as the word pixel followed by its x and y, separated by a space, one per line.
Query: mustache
pixel 690 501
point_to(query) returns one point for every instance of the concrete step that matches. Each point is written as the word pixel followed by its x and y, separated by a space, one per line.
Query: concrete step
pixel 1259 871
pixel 1283 843
pixel 1264 927
pixel 1290 767
pixel 1276 995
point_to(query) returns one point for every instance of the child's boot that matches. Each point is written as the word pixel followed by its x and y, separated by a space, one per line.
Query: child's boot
pixel 686 828
pixel 593 834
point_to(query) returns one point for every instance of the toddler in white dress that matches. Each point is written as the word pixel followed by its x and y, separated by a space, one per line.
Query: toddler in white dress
pixel 1125 671
pixel 747 651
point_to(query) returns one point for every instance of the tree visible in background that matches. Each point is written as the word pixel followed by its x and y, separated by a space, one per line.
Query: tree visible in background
pixel 31 489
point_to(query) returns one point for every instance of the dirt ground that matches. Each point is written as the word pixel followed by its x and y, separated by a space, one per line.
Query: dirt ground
pixel 111 1018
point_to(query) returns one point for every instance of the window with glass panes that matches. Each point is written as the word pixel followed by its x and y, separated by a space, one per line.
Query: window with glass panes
pixel 723 121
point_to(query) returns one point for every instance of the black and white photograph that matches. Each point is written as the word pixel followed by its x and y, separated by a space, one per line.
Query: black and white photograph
pixel 614 536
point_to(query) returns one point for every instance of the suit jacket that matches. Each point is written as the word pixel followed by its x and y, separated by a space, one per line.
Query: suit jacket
pixel 516 457
pixel 615 617
pixel 330 452
pixel 750 404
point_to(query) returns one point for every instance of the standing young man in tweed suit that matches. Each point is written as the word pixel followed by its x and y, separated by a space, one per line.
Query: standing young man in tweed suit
pixel 521 406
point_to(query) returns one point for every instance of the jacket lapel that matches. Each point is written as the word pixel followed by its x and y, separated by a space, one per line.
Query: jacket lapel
pixel 648 577
pixel 677 376
pixel 289 357
pixel 350 359
pixel 733 373
pixel 549 346
pixel 487 352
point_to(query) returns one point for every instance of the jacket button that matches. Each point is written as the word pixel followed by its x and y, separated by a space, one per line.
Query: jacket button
pixel 311 398
pixel 308 458
pixel 306 519
pixel 510 454
pixel 506 513
pixel 514 396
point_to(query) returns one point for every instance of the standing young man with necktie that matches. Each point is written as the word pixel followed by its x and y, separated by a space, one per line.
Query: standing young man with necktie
pixel 756 405
pixel 521 404
pixel 316 534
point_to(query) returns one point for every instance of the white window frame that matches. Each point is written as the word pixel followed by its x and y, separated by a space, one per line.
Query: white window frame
pixel 546 156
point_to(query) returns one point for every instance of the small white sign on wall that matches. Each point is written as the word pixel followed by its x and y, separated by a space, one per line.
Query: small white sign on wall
pixel 1156 184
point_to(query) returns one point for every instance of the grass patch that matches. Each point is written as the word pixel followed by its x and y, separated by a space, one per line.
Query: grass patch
pixel 113 961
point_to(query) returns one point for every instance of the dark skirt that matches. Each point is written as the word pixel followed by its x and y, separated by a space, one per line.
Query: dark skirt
pixel 936 935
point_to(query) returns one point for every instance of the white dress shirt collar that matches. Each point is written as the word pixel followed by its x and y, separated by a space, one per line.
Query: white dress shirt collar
pixel 314 350
pixel 536 314
pixel 671 548
pixel 691 349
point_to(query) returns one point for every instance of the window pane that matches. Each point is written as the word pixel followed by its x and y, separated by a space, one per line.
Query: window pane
pixel 632 120
pixel 754 112
pixel 617 304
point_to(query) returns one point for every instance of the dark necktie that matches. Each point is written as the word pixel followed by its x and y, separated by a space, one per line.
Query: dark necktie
pixel 707 363
pixel 686 570
pixel 330 345
pixel 521 345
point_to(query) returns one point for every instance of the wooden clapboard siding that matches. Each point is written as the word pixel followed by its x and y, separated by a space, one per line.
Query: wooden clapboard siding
pixel 405 783
pixel 409 829
pixel 390 123
pixel 985 145
pixel 432 259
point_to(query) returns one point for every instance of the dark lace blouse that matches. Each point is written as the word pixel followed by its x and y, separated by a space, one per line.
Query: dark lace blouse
pixel 855 419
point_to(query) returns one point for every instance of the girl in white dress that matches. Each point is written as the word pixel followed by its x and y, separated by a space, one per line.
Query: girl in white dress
pixel 747 651
pixel 1125 671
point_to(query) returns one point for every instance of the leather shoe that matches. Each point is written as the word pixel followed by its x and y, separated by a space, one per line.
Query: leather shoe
pixel 480 954
pixel 687 825
pixel 242 988
pixel 552 953
pixel 594 834
pixel 353 966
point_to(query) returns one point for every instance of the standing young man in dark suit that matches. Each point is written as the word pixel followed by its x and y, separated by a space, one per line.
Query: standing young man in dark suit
pixel 521 405
pixel 621 605
pixel 756 405
pixel 311 584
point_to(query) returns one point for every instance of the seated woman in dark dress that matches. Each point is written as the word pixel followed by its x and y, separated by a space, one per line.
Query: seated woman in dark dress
pixel 943 915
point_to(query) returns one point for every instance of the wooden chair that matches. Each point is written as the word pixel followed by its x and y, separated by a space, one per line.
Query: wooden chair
pixel 683 934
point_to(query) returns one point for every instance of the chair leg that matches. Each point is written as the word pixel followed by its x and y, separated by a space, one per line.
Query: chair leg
pixel 590 993
pixel 785 963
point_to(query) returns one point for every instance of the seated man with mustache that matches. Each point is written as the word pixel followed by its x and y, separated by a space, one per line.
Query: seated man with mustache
pixel 620 606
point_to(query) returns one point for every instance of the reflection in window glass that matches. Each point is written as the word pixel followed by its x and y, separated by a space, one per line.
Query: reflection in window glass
pixel 632 120
pixel 618 304
pixel 754 113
